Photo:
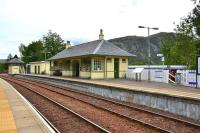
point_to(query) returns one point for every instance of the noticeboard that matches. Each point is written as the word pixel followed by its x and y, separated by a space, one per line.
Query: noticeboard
pixel 138 70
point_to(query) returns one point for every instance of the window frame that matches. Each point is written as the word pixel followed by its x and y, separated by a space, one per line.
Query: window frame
pixel 123 60
pixel 98 64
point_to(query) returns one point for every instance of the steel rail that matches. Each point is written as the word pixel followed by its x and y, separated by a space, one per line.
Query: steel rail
pixel 64 107
pixel 116 102
pixel 113 112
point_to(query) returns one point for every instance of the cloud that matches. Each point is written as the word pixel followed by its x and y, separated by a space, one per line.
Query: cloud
pixel 23 21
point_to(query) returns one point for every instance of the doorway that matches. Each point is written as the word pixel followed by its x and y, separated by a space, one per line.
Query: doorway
pixel 76 69
pixel 35 69
pixel 28 69
pixel 38 69
pixel 116 68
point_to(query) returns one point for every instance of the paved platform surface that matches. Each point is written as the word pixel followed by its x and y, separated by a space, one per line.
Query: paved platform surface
pixel 16 115
pixel 143 86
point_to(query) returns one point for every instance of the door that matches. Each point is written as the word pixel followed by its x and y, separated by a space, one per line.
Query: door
pixel 76 69
pixel 116 67
pixel 38 69
pixel 28 69
pixel 35 69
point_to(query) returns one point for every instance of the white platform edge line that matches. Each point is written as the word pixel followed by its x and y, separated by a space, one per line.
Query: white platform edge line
pixel 29 104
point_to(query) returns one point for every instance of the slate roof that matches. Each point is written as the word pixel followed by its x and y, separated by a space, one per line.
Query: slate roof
pixel 15 61
pixel 98 47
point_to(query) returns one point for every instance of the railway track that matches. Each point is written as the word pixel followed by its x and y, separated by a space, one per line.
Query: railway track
pixel 130 125
pixel 139 109
pixel 89 98
pixel 50 106
pixel 116 102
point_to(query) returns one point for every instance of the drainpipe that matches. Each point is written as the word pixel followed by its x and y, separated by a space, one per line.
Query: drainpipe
pixel 105 68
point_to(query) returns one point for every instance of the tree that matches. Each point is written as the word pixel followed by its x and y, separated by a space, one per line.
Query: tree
pixel 186 48
pixel 186 45
pixel 194 17
pixel 35 51
pixel 168 42
pixel 53 43
pixel 9 56
pixel 32 52
pixel 50 45
pixel 179 49
pixel 3 68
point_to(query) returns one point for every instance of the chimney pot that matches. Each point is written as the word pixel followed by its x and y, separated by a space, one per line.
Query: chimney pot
pixel 68 45
pixel 101 35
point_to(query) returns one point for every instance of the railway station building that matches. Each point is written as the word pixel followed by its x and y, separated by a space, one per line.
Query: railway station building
pixel 97 59
pixel 15 66
pixel 38 67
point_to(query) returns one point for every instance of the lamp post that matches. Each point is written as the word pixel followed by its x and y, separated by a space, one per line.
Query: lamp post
pixel 149 48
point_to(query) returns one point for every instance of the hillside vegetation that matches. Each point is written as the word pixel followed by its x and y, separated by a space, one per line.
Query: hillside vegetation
pixel 138 46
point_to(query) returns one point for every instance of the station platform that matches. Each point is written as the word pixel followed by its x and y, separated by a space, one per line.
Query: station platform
pixel 17 115
pixel 141 86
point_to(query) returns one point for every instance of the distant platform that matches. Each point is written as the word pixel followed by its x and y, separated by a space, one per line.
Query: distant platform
pixel 17 115
pixel 142 86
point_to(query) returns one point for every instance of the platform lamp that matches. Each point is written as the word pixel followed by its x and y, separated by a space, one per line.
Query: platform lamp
pixel 149 49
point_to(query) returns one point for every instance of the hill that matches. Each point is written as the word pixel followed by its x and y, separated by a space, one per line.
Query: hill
pixel 2 61
pixel 138 45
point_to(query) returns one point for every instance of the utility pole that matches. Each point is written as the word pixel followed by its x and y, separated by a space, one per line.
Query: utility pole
pixel 149 49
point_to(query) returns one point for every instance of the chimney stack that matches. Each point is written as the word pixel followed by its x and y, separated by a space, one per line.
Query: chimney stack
pixel 101 36
pixel 68 45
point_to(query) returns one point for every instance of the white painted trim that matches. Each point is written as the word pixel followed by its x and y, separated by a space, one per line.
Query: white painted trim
pixel 98 47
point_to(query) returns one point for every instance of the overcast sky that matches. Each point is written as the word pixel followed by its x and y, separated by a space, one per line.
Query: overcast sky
pixel 24 21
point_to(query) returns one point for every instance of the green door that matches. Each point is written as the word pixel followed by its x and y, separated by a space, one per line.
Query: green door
pixel 116 67
pixel 75 69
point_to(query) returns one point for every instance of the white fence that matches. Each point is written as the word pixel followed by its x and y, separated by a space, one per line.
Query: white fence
pixel 183 77
pixel 188 77
pixel 157 75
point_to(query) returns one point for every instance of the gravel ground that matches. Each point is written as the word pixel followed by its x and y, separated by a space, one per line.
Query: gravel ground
pixel 63 120
pixel 112 122
pixel 101 116
pixel 169 124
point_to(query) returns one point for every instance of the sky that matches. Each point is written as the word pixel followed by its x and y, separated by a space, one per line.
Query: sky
pixel 24 21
